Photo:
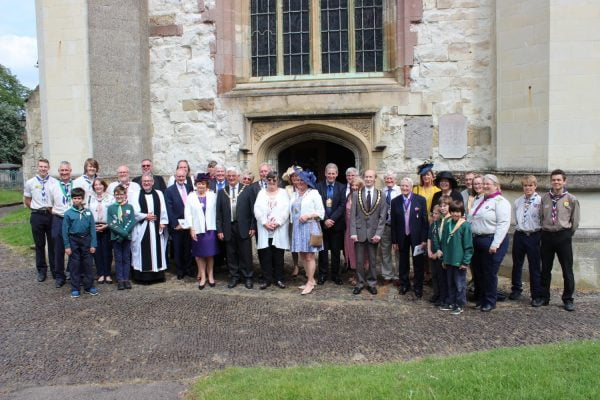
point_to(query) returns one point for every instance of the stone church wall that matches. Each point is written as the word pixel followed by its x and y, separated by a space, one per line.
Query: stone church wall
pixel 452 73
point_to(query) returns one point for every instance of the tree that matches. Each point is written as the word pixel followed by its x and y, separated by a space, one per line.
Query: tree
pixel 12 106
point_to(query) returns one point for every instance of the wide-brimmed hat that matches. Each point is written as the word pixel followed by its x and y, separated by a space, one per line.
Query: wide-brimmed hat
pixel 202 177
pixel 308 177
pixel 425 167
pixel 290 171
pixel 446 175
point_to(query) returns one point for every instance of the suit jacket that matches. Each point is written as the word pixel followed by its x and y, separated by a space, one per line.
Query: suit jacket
pixel 175 206
pixel 244 212
pixel 256 187
pixel 366 226
pixel 417 220
pixel 337 211
pixel 212 184
pixel 159 182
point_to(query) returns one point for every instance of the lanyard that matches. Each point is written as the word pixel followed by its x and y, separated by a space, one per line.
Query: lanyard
pixel 485 198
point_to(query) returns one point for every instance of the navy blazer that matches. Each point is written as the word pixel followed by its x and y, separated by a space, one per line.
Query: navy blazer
pixel 418 222
pixel 174 204
pixel 337 212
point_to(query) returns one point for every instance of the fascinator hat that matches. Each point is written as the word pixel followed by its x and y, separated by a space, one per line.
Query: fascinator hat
pixel 309 178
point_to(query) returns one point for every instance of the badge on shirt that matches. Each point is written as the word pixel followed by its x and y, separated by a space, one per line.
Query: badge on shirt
pixel 566 204
pixel 328 203
pixel 127 212
pixel 88 213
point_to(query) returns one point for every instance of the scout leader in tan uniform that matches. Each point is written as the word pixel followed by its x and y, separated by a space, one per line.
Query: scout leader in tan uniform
pixel 560 220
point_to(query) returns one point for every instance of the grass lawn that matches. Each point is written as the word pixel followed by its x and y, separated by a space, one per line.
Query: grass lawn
pixel 10 196
pixel 556 371
pixel 15 230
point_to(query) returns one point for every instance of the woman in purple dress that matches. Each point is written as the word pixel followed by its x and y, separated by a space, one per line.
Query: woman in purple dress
pixel 200 216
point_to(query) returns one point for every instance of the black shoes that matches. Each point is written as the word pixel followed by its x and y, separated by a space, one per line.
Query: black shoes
pixel 127 285
pixel 264 285
pixel 232 283
pixel 249 284
pixel 372 290
pixel 514 295
pixel 357 290
pixel 321 280
pixel 59 284
pixel 403 290
pixel 569 306
pixel 280 285
pixel 121 285
pixel 418 295
pixel 487 308
pixel 180 276
pixel 41 277
pixel 201 286
pixel 213 284
pixel 537 303
pixel 338 281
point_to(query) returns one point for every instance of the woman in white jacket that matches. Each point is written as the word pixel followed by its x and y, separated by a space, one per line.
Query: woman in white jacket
pixel 306 211
pixel 272 212
pixel 200 215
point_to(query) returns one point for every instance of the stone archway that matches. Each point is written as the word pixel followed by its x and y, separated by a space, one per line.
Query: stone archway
pixel 351 136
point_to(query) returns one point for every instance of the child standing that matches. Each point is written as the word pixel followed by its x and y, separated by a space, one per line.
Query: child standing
pixel 438 280
pixel 79 237
pixel 121 221
pixel 457 249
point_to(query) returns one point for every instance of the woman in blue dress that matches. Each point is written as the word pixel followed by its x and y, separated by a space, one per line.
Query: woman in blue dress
pixel 200 216
pixel 306 211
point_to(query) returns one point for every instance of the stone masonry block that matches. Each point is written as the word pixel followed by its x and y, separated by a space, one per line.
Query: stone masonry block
pixel 198 104
pixel 458 3
pixel 162 20
pixel 460 51
pixel 167 30
pixel 431 52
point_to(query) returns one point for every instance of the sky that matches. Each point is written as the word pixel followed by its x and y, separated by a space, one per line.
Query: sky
pixel 18 43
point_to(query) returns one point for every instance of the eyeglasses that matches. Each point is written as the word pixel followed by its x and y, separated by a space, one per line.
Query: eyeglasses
pixel 146 165
pixel 272 179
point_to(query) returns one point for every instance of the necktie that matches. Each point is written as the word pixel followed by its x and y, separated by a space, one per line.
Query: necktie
pixel 233 203
pixel 407 202
pixel 183 193
pixel 368 200
pixel 388 197
pixel 329 191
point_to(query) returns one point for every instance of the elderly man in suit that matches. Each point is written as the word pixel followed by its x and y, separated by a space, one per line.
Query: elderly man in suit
pixel 175 199
pixel 333 225
pixel 219 182
pixel 367 222
pixel 410 226
pixel 236 226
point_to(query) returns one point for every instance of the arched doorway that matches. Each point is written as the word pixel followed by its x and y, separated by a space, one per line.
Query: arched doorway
pixel 315 155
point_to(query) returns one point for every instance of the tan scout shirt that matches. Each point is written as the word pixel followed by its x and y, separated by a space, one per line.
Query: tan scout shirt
pixel 567 213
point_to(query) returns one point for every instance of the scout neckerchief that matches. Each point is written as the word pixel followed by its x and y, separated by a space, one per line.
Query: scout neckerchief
pixel 458 224
pixel 89 181
pixel 555 198
pixel 43 182
pixel 528 202
pixel 66 191
pixel 79 211
pixel 362 206
pixel 486 198
pixel 442 226
pixel 120 211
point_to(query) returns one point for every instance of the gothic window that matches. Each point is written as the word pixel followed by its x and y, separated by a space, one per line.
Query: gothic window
pixel 300 37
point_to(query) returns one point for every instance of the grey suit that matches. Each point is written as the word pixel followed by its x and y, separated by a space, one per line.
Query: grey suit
pixel 364 227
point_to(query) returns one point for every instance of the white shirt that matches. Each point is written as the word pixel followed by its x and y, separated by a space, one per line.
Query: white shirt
pixel 60 201
pixel 493 217
pixel 38 190
pixel 528 213
pixel 277 210
pixel 311 203
pixel 86 184
pixel 133 190
pixel 99 208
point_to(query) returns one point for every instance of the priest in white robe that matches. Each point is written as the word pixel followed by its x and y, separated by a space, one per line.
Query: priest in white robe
pixel 149 237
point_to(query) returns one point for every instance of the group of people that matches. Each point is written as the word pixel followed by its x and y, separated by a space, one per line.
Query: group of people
pixel 213 217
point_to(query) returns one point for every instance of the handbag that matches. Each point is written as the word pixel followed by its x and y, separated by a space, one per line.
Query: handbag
pixel 316 239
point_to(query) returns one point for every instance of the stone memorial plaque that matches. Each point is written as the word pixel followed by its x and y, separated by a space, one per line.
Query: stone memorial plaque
pixel 453 136
pixel 418 137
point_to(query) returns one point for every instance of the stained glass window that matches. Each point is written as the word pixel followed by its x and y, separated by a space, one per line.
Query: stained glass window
pixel 264 37
pixel 334 36
pixel 368 22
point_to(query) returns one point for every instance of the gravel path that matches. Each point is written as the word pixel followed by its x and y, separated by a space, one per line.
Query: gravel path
pixel 149 342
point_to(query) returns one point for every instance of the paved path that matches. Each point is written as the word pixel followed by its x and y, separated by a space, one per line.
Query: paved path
pixel 149 342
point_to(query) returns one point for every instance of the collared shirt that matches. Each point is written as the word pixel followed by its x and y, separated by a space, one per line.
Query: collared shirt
pixel 219 185
pixel 38 190
pixel 567 209
pixel 370 194
pixel 85 182
pixel 234 191
pixel 60 197
pixel 492 218
pixel 182 192
pixel 133 190
pixel 79 222
pixel 99 207
pixel 528 213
